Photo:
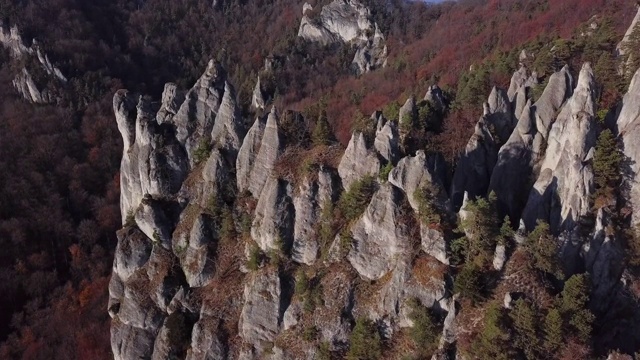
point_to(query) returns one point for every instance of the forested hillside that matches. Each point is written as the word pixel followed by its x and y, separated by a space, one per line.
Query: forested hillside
pixel 60 161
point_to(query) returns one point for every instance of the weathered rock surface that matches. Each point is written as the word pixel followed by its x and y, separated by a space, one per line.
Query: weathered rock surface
pixel 387 139
pixel 257 98
pixel 358 161
pixel 499 115
pixel 520 79
pixel 171 259
pixel 621 48
pixel 511 179
pixel 415 172
pixel 197 253
pixel 208 117
pixel 271 145
pixel 312 196
pixel 434 243
pixel 558 90
pixel 273 222
pixel 248 152
pixel 379 238
pixel 435 97
pixel 561 193
pixel 205 342
pixel 260 318
pixel 371 54
pixel 603 256
pixel 475 166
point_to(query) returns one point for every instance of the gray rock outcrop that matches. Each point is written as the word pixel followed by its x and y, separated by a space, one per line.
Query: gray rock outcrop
pixel 624 49
pixel 260 318
pixel 435 97
pixel 271 145
pixel 153 163
pixel 358 161
pixel 379 238
pixel 257 98
pixel 561 193
pixel 209 117
pixel 475 166
pixel 309 202
pixel 272 227
pixel 248 152
pixel 499 115
pixel 346 21
pixel 511 179
pixel 387 140
pixel 415 172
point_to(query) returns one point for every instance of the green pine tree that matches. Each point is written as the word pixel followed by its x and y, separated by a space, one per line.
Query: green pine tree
pixel 364 342
pixel 321 133
pixel 524 323
pixel 553 332
pixel 606 166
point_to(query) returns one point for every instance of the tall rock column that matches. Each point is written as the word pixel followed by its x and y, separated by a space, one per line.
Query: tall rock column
pixel 561 193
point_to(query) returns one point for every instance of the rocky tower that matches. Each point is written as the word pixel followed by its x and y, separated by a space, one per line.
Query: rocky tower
pixel 561 193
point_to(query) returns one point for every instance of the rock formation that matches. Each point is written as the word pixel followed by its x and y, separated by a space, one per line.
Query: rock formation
pixel 628 125
pixel 24 82
pixel 561 193
pixel 624 47
pixel 358 161
pixel 346 21
pixel 379 239
pixel 511 179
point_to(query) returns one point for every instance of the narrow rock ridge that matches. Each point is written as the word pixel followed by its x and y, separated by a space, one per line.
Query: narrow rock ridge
pixel 23 82
pixel 561 193
pixel 189 211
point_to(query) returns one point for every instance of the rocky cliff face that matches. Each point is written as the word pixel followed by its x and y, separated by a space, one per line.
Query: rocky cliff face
pixel 346 21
